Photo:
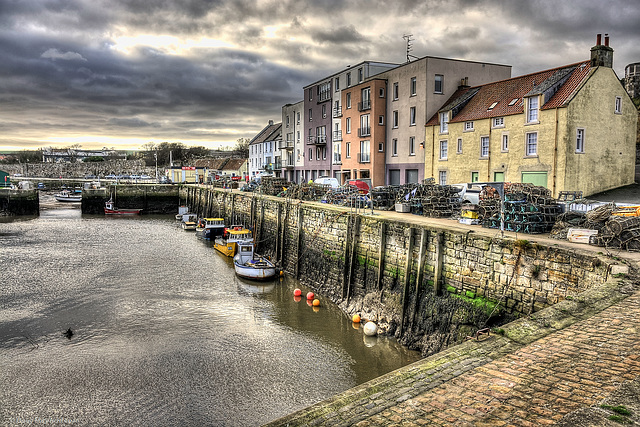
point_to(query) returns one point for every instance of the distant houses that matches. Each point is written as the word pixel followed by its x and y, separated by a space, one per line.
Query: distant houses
pixel 571 128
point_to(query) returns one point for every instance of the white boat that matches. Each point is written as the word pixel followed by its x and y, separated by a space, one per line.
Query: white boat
pixel 182 210
pixel 252 266
pixel 189 225
pixel 68 196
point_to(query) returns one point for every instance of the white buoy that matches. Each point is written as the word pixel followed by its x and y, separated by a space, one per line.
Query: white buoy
pixel 370 329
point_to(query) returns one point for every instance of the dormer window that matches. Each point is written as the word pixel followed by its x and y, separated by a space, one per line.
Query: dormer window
pixel 513 102
pixel 532 109
pixel 444 122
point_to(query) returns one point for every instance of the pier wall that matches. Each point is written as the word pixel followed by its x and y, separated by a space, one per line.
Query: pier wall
pixel 151 198
pixel 429 286
pixel 19 202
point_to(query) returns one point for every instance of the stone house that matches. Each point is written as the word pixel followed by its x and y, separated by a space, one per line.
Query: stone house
pixel 570 128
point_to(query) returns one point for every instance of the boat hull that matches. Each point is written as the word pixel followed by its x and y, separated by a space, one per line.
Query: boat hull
pixel 255 273
pixel 67 198
pixel 189 226
pixel 226 248
pixel 122 211
pixel 209 233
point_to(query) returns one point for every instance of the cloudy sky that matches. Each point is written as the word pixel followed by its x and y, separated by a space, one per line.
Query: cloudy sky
pixel 121 73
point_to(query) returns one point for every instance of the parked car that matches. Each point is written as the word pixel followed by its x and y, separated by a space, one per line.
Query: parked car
pixel 469 192
pixel 325 180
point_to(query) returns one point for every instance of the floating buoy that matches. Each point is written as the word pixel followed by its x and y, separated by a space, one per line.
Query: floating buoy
pixel 310 295
pixel 281 273
pixel 370 329
pixel 316 302
pixel 297 292
pixel 355 318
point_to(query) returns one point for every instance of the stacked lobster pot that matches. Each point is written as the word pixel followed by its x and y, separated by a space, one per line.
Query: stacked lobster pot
pixel 527 208
pixel 273 186
pixel 620 232
pixel 433 200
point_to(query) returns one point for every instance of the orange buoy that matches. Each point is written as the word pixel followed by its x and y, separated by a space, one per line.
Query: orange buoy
pixel 297 292
pixel 355 318
pixel 310 295
pixel 316 302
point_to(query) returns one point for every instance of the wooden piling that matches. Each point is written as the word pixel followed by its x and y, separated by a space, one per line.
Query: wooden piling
pixel 407 278
pixel 299 240
pixel 382 238
pixel 352 258
pixel 437 275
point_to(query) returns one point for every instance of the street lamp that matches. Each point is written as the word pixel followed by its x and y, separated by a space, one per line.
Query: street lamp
pixel 156 157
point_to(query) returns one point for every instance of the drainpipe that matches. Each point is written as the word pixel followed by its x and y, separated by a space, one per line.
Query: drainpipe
pixel 433 150
pixel 555 158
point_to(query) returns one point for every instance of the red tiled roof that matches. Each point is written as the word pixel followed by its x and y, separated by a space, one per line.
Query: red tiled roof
pixel 567 79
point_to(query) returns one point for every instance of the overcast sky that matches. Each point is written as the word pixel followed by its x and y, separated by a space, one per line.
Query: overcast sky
pixel 121 73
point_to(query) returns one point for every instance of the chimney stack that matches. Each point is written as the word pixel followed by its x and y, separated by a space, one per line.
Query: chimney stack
pixel 602 55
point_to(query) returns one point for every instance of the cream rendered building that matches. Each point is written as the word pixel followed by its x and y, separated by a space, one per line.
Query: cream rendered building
pixel 571 128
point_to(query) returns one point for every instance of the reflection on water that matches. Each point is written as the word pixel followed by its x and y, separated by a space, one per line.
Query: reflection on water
pixel 164 332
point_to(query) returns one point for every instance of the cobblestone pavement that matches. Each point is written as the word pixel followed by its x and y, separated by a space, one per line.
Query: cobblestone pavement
pixel 538 384
pixel 554 367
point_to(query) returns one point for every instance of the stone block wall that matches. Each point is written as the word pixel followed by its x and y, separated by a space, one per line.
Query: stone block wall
pixel 425 285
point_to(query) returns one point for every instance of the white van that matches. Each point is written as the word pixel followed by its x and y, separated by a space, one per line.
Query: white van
pixel 325 180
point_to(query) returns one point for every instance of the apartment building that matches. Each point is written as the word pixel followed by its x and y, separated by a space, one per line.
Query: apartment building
pixel 322 119
pixel 291 146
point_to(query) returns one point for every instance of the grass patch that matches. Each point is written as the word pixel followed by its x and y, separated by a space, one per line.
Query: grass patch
pixel 490 308
pixel 620 419
pixel 522 244
pixel 620 409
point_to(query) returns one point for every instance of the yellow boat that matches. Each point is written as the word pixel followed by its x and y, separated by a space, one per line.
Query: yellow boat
pixel 227 244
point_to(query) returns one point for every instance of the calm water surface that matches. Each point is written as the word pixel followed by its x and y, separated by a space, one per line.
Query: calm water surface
pixel 164 333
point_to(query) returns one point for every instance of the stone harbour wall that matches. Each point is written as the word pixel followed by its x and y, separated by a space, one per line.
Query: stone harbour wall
pixel 429 286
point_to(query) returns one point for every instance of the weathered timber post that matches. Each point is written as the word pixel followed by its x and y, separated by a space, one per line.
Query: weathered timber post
pixel 421 257
pixel 233 209
pixel 278 225
pixel 352 258
pixel 252 218
pixel 437 275
pixel 284 234
pixel 299 240
pixel 345 267
pixel 407 278
pixel 382 238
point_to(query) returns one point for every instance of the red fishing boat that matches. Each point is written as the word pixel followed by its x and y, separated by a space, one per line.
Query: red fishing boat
pixel 110 209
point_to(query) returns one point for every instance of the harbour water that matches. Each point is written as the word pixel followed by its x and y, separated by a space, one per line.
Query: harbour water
pixel 164 333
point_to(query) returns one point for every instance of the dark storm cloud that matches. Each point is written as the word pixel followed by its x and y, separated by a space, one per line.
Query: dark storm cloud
pixel 66 67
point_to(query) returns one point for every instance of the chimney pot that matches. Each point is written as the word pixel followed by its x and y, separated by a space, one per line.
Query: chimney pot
pixel 270 122
pixel 598 39
pixel 606 39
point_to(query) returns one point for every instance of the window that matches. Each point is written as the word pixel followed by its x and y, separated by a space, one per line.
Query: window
pixel 439 83
pixel 365 95
pixel 492 106
pixel 394 147
pixel 321 135
pixel 365 152
pixel 395 119
pixel 468 126
pixel 444 122
pixel 579 140
pixel 412 145
pixel 412 116
pixel 443 150
pixel 442 177
pixel 475 176
pixel 298 136
pixel 310 115
pixel 484 146
pixel 287 121
pixel 310 153
pixel 324 111
pixel 324 91
pixel 381 147
pixel 348 150
pixel 348 79
pixel 532 144
pixel 348 125
pixel 365 125
pixel 337 154
pixel 381 120
pixel 381 92
pixel 532 109
pixel 395 91
pixel 310 94
pixel 513 102
pixel 360 75
pixel 459 149
pixel 414 86
pixel 618 105
pixel 505 143
pixel 298 117
pixel 348 99
pixel 498 122
pixel 337 84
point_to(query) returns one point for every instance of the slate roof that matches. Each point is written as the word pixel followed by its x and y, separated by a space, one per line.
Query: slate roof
pixel 269 133
pixel 234 164
pixel 558 85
